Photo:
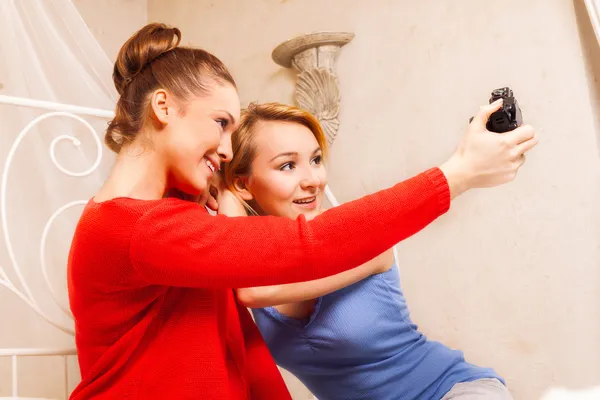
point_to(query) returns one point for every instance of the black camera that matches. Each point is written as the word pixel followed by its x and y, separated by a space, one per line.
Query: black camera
pixel 509 116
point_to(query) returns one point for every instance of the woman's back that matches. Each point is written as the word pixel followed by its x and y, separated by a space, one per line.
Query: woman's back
pixel 360 343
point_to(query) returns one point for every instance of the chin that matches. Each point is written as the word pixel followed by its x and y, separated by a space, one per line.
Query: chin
pixel 193 185
pixel 194 190
pixel 199 185
pixel 310 214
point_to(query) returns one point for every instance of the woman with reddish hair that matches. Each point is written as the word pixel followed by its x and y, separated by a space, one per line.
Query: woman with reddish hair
pixel 349 336
pixel 151 277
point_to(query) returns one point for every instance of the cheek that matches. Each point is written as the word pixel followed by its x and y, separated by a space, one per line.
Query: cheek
pixel 322 177
pixel 205 137
pixel 275 193
pixel 193 138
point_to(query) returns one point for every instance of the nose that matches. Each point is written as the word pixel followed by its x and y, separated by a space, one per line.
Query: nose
pixel 224 150
pixel 310 180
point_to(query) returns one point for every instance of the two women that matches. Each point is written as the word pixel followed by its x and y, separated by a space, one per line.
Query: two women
pixel 345 337
pixel 151 278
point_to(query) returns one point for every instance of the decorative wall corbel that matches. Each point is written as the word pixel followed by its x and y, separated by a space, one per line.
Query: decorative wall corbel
pixel 314 56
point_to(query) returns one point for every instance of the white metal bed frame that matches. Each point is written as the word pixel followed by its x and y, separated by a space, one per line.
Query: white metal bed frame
pixel 54 110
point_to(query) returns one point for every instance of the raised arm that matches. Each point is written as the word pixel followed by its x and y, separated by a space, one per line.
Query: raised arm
pixel 179 244
pixel 267 296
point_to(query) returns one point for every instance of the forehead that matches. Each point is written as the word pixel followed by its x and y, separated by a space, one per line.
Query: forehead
pixel 283 136
pixel 220 97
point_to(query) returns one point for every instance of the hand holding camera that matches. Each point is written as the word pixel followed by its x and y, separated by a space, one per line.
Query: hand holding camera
pixel 484 158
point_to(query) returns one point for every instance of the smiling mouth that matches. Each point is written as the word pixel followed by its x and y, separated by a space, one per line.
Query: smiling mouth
pixel 307 200
pixel 210 164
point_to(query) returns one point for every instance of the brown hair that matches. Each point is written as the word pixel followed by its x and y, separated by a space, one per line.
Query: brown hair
pixel 152 59
pixel 242 140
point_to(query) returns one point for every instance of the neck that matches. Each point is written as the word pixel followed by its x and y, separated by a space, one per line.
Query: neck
pixel 138 173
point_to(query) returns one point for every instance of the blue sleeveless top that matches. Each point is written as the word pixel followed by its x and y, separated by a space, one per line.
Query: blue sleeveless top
pixel 360 343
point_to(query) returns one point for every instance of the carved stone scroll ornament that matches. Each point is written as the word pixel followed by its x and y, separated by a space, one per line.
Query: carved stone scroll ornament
pixel 314 56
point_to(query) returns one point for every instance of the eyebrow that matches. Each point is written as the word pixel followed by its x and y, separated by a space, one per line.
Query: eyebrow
pixel 293 153
pixel 231 119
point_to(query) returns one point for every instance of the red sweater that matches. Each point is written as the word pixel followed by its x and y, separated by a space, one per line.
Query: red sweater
pixel 150 286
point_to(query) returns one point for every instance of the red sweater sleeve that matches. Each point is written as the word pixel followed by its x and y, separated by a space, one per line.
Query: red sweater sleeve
pixel 177 243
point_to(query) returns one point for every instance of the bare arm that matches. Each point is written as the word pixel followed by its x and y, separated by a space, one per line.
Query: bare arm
pixel 267 296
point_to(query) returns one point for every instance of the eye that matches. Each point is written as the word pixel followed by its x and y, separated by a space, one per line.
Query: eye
pixel 222 122
pixel 318 159
pixel 287 166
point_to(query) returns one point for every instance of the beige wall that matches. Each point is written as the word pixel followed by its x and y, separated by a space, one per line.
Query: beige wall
pixel 518 287
pixel 113 21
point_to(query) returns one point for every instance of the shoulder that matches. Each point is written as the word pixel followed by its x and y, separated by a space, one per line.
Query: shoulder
pixel 123 213
pixel 171 209
pixel 171 219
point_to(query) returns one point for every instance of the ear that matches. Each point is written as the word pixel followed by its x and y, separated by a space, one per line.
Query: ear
pixel 160 110
pixel 240 185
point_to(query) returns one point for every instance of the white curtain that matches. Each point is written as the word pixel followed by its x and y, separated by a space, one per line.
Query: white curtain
pixel 47 53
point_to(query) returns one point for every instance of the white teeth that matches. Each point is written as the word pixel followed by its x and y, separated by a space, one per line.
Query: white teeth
pixel 305 201
pixel 210 165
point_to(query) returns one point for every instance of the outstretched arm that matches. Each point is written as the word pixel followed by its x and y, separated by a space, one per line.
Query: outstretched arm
pixel 177 243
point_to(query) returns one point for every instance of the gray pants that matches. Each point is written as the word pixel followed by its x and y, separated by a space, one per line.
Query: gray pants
pixel 481 389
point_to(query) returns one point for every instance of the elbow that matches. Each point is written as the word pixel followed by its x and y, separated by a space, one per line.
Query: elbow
pixel 252 298
pixel 246 298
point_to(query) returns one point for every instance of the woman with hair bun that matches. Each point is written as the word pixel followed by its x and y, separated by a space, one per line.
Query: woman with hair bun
pixel 151 277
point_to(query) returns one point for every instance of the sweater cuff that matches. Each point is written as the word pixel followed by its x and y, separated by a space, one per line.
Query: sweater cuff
pixel 441 187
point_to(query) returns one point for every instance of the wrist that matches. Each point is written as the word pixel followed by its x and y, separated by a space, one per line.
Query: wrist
pixel 458 178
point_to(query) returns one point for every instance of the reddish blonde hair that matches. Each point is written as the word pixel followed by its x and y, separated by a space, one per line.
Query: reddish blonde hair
pixel 243 143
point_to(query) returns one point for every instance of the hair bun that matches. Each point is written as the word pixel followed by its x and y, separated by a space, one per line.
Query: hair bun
pixel 145 46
